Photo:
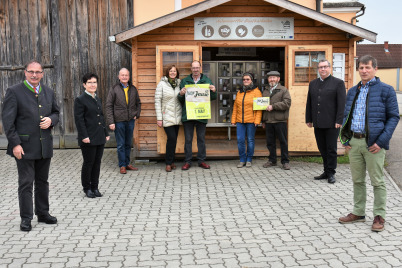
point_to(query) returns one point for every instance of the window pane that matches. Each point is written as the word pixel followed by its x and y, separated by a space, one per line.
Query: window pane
pixel 182 61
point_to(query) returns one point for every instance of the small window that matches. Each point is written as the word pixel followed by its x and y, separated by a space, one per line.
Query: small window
pixel 306 63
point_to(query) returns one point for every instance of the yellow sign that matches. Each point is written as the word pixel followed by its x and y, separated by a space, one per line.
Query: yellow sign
pixel 260 103
pixel 198 102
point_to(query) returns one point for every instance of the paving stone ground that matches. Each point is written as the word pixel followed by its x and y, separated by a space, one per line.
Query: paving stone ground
pixel 222 217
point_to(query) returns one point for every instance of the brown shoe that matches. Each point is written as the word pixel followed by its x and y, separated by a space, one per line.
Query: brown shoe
pixel 352 218
pixel 130 167
pixel 168 168
pixel 123 170
pixel 173 166
pixel 204 165
pixel 378 224
pixel 286 166
pixel 186 166
pixel 269 164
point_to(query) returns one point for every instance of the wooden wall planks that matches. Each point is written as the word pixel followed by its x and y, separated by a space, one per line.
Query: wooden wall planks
pixel 70 35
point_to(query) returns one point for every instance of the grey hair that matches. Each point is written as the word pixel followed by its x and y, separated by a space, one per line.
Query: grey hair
pixel 124 69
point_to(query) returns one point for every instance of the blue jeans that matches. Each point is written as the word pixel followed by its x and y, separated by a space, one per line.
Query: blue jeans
pixel 242 130
pixel 124 139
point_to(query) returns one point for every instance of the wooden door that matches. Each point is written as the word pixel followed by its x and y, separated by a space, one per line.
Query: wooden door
pixel 181 57
pixel 302 68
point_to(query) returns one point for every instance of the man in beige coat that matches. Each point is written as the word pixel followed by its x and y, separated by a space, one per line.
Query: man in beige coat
pixel 274 119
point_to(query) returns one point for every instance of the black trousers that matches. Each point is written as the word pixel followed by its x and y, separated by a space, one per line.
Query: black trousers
pixel 327 139
pixel 92 155
pixel 171 132
pixel 188 137
pixel 272 132
pixel 33 173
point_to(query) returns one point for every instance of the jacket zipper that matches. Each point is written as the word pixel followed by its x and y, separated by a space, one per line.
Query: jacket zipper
pixel 242 107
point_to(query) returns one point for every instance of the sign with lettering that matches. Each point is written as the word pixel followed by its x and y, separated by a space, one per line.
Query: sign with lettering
pixel 198 102
pixel 260 103
pixel 239 28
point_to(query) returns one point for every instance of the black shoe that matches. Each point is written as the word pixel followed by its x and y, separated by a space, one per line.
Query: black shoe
pixel 97 193
pixel 25 225
pixel 48 219
pixel 90 194
pixel 331 179
pixel 323 176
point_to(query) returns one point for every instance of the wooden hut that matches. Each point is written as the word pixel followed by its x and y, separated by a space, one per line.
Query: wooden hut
pixel 298 38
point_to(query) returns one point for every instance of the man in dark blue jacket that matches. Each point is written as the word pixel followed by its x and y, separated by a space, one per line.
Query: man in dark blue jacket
pixel 370 118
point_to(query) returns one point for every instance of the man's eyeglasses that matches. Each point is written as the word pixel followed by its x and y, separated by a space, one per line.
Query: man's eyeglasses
pixel 247 79
pixel 323 67
pixel 34 73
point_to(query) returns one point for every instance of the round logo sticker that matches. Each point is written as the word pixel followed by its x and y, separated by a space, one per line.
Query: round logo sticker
pixel 241 31
pixel 258 31
pixel 207 31
pixel 224 31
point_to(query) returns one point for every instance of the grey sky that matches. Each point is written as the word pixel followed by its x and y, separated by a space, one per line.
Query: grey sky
pixel 383 17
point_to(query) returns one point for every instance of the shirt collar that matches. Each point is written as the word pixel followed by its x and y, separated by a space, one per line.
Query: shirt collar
pixel 37 87
pixel 372 80
pixel 128 85
pixel 90 94
pixel 325 78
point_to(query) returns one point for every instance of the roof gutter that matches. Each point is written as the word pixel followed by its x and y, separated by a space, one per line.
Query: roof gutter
pixel 363 9
pixel 318 5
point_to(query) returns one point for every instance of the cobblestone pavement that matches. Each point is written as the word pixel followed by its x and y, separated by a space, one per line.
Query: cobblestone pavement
pixel 222 217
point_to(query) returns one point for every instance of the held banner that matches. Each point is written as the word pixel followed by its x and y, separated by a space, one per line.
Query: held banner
pixel 260 103
pixel 198 102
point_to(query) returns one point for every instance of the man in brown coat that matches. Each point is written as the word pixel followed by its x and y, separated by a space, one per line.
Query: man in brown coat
pixel 123 107
pixel 274 119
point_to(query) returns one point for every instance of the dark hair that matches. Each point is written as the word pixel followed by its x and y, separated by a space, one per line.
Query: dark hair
pixel 170 68
pixel 325 60
pixel 89 76
pixel 33 61
pixel 248 74
pixel 366 60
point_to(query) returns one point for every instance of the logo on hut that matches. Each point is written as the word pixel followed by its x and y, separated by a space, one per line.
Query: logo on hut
pixel 224 31
pixel 207 31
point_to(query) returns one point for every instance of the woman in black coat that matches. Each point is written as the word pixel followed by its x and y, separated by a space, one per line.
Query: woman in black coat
pixel 92 134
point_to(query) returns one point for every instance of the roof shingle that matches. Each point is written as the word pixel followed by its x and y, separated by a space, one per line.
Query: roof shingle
pixel 385 60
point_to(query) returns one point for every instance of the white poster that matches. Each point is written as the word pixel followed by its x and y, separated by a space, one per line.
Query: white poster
pixel 239 28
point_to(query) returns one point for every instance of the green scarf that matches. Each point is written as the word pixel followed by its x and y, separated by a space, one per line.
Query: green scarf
pixel 172 82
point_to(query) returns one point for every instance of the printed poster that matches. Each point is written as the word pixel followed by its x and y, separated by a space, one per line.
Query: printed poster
pixel 260 103
pixel 198 102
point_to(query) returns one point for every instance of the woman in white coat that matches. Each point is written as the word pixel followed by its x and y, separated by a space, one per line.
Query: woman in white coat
pixel 168 111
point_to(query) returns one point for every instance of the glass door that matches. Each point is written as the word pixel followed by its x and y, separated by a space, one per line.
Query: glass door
pixel 302 68
pixel 181 57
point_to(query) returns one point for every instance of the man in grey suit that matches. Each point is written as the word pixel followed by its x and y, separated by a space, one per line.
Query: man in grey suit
pixel 30 112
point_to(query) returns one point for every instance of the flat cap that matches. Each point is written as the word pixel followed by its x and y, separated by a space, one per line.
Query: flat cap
pixel 273 73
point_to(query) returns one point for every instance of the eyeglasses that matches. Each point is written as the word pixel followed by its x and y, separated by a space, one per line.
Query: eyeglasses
pixel 323 67
pixel 247 79
pixel 34 73
pixel 195 68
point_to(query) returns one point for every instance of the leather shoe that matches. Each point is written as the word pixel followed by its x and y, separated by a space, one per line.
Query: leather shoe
pixel 123 170
pixel 204 165
pixel 323 176
pixel 168 168
pixel 173 166
pixel 25 225
pixel 130 167
pixel 90 194
pixel 186 166
pixel 48 219
pixel 96 193
pixel 378 224
pixel 331 179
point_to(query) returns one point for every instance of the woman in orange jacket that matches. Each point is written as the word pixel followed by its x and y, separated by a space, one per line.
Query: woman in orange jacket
pixel 246 119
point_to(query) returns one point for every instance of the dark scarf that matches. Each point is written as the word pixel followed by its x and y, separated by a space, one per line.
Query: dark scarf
pixel 247 88
pixel 172 82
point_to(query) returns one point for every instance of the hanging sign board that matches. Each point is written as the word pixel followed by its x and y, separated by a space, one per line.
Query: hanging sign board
pixel 198 102
pixel 241 28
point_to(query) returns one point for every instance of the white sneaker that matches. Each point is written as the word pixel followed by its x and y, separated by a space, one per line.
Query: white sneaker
pixel 241 164
pixel 248 164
